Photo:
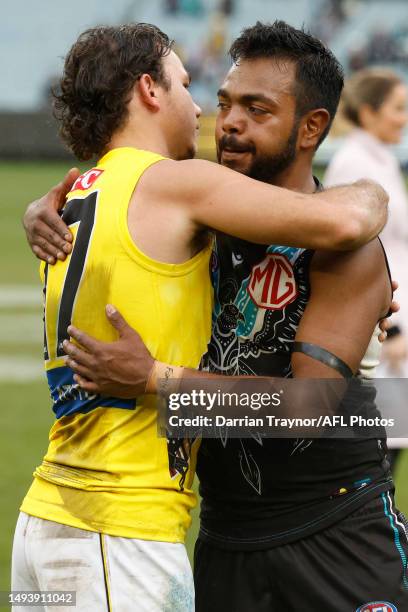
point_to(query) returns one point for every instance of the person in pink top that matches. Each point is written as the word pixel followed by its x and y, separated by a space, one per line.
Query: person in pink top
pixel 375 103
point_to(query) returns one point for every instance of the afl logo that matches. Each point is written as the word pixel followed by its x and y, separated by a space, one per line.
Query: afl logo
pixel 377 606
pixel 86 180
pixel 272 284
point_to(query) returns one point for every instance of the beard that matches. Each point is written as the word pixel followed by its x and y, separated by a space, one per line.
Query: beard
pixel 264 167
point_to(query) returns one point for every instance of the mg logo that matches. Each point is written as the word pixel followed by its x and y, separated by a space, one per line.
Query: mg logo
pixel 377 606
pixel 272 284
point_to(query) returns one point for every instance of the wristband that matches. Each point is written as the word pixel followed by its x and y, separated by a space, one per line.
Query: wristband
pixel 163 375
pixel 320 354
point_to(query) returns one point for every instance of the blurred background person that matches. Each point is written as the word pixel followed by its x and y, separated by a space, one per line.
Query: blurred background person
pixel 375 104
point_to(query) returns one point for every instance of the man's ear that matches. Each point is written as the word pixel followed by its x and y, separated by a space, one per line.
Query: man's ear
pixel 312 127
pixel 148 91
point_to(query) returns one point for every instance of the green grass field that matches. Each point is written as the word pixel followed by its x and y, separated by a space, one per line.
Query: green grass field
pixel 26 414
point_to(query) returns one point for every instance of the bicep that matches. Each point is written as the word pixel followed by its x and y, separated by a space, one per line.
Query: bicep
pixel 230 202
pixel 348 296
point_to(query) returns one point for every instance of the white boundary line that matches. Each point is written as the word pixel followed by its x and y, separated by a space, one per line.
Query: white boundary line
pixel 23 328
pixel 12 296
pixel 21 369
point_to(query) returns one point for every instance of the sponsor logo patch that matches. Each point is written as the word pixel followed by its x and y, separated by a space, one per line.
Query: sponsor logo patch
pixel 377 606
pixel 86 180
pixel 272 284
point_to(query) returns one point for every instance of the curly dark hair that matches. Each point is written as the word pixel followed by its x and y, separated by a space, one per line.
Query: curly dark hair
pixel 99 72
pixel 319 75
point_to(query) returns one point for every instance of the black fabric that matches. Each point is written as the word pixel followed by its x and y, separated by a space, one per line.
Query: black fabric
pixel 256 496
pixel 264 492
pixel 357 561
pixel 326 357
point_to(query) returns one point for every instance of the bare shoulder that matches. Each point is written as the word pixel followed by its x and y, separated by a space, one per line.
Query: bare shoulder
pixel 195 189
pixel 362 273
pixel 368 260
pixel 169 177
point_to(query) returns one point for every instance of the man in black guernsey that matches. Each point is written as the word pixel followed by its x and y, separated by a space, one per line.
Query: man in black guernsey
pixel 297 524
pixel 288 525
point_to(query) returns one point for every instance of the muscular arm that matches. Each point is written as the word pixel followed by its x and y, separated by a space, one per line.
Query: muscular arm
pixel 201 194
pixel 350 292
pixel 216 197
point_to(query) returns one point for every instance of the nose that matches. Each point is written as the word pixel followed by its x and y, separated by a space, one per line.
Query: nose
pixel 233 121
pixel 198 110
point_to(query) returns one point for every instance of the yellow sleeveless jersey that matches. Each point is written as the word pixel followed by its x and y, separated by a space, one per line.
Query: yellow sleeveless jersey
pixel 106 469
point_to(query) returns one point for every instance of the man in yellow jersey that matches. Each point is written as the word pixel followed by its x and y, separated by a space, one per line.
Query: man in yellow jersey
pixel 106 515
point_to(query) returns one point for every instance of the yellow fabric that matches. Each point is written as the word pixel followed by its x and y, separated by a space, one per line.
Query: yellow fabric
pixel 106 469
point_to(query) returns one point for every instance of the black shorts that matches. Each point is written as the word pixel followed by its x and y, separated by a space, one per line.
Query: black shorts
pixel 361 560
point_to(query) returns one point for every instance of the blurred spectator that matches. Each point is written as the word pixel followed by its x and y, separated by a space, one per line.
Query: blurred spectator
pixel 209 63
pixel 358 59
pixel 330 17
pixel 191 7
pixel 227 7
pixel 171 6
pixel 375 103
pixel 382 46
pixel 188 7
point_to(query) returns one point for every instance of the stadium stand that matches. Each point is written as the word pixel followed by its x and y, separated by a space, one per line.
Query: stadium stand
pixel 360 32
